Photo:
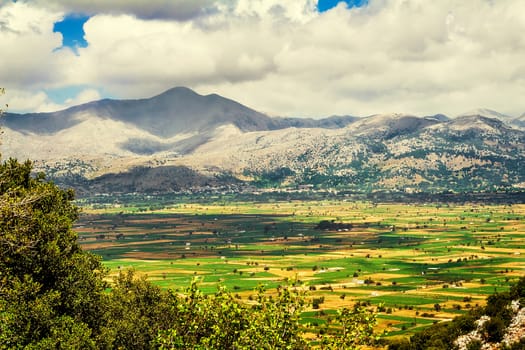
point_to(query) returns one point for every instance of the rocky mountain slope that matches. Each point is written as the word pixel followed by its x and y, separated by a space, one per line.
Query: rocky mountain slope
pixel 499 324
pixel 219 142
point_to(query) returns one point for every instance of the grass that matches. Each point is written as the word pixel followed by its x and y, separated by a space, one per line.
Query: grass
pixel 406 257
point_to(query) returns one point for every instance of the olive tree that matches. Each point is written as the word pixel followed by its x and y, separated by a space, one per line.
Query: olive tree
pixel 51 291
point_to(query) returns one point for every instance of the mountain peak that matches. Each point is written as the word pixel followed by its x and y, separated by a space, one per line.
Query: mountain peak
pixel 485 112
pixel 178 90
pixel 390 125
pixel 176 111
pixel 477 123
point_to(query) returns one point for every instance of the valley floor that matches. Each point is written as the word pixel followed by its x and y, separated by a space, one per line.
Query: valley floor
pixel 419 264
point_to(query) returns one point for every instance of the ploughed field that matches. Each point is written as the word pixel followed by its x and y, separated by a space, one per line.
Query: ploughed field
pixel 418 263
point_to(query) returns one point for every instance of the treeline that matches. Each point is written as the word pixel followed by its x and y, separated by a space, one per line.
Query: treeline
pixel 54 295
pixel 333 225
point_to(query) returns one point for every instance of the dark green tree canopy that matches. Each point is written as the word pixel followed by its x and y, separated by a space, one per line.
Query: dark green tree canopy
pixel 49 286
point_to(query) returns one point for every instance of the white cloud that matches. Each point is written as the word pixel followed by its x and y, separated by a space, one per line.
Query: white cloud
pixel 409 56
pixel 27 44
pixel 19 100
pixel 85 96
pixel 39 101
pixel 283 58
pixel 294 10
pixel 151 9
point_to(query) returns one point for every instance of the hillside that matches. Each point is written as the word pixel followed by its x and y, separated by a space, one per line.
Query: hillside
pixel 218 138
pixel 498 325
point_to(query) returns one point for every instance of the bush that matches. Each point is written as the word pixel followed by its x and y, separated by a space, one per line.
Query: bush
pixel 474 345
pixel 495 329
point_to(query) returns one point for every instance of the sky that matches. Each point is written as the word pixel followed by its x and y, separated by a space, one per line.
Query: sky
pixel 311 58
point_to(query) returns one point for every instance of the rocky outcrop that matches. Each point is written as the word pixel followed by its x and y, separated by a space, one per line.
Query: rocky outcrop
pixel 513 333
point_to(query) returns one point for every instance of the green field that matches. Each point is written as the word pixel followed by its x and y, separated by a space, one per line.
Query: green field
pixel 422 263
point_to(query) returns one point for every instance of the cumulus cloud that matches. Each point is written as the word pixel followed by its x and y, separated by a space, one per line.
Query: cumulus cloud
pixel 39 101
pixel 27 42
pixel 152 9
pixel 283 57
pixel 83 96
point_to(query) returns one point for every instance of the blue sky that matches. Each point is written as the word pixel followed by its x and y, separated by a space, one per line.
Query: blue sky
pixel 281 57
pixel 324 5
pixel 71 28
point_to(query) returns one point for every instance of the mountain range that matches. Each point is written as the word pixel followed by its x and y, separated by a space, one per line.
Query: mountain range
pixel 181 140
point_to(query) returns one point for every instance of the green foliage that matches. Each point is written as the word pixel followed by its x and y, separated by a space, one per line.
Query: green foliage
pixel 495 329
pixel 275 321
pixel 517 291
pixel 497 306
pixel 272 178
pixel 201 321
pixel 354 327
pixel 136 312
pixel 436 337
pixel 443 335
pixel 270 321
pixel 66 333
pixel 332 225
pixel 222 322
pixel 49 288
pixel 475 345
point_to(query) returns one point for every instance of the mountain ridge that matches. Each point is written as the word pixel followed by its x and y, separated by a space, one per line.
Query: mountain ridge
pixel 177 110
pixel 213 136
pixel 486 112
pixel 222 111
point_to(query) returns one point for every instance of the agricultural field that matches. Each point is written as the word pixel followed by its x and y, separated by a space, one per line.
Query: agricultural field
pixel 417 264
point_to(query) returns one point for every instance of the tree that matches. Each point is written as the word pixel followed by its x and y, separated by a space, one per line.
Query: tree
pixel 220 321
pixel 494 329
pixel 203 321
pixel 136 312
pixel 355 327
pixel 51 292
pixel 274 321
